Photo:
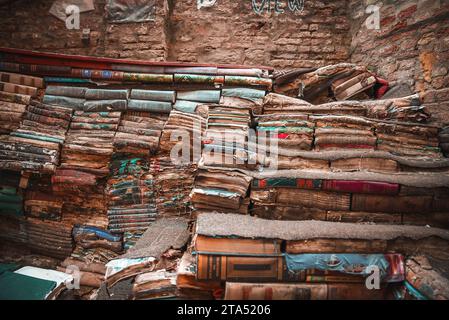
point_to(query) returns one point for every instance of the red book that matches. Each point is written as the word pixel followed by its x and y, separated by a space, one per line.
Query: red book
pixel 361 187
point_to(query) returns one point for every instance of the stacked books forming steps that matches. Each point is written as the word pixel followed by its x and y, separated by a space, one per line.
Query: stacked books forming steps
pixel 221 191
pixel 173 184
pixel 16 92
pixel 36 145
pixel 130 192
pixel 407 109
pixel 255 258
pixel 226 137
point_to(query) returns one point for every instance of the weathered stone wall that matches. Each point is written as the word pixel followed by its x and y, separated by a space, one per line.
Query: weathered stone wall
pixel 29 25
pixel 411 46
pixel 232 32
pixel 229 32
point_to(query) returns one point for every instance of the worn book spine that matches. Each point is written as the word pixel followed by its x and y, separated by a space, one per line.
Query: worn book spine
pixel 75 103
pixel 248 81
pixel 148 77
pixel 239 268
pixel 391 204
pixel 206 245
pixel 273 291
pixel 361 187
pixel 38 69
pixel 22 79
pixel 208 96
pixel 104 94
pixel 16 88
pixel 97 74
pixel 153 95
pixel 15 97
pixel 244 93
pixel 336 245
pixel 198 79
pixel 105 105
pixel 150 106
pixel 72 92
pixel 287 182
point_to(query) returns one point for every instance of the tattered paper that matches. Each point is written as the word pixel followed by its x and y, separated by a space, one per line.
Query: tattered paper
pixel 125 11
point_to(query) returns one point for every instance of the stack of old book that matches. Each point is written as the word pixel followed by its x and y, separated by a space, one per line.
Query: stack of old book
pixel 408 109
pixel 343 132
pixel 36 144
pixel 221 191
pixel 109 100
pixel 263 259
pixel 290 133
pixel 360 196
pixel 39 199
pixel 154 101
pixel 130 192
pixel 50 238
pixel 192 101
pixel 412 140
pixel 172 185
pixel 151 263
pixel 81 192
pixel 11 198
pixel 94 247
pixel 89 143
pixel 16 91
pixel 181 137
pixel 71 97
pixel 243 97
pixel 340 82
pixel 226 139
pixel 139 133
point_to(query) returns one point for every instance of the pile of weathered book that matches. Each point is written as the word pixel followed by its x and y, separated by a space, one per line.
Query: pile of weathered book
pixel 109 167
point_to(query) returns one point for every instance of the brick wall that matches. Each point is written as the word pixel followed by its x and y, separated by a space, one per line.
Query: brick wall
pixel 232 32
pixel 412 46
pixel 29 25
pixel 229 32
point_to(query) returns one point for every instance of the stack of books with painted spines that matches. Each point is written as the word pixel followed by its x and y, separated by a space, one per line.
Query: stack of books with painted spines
pixel 36 144
pixel 412 140
pixel 309 260
pixel 89 143
pixel 341 132
pixel 226 139
pixel 139 133
pixel 172 185
pixel 221 191
pixel 130 193
pixel 16 91
pixel 404 198
pixel 68 96
pixel 181 136
pixel 408 108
